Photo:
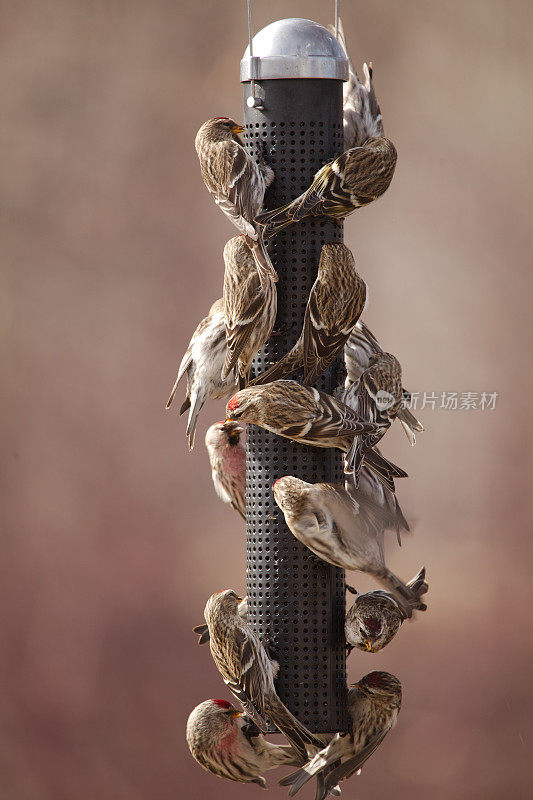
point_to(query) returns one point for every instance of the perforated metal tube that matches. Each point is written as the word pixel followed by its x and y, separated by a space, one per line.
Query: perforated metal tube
pixel 296 602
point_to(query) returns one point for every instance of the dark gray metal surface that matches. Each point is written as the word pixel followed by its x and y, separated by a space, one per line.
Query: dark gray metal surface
pixel 296 602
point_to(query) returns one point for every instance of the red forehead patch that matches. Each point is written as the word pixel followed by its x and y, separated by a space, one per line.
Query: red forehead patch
pixel 374 679
pixel 372 624
pixel 222 704
pixel 234 402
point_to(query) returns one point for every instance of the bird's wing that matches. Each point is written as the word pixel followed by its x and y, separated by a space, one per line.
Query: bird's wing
pixel 336 419
pixel 249 685
pixel 351 765
pixel 238 333
pixel 234 196
pixel 320 343
pixel 354 512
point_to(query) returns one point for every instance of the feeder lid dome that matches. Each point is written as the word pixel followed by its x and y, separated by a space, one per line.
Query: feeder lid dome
pixel 294 48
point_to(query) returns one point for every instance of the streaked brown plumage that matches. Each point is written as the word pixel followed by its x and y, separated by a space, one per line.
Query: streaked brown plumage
pixel 227 456
pixel 345 529
pixel 358 350
pixel 202 363
pixel 335 303
pixel 375 617
pixel 377 398
pixel 373 707
pixel 353 179
pixel 301 413
pixel 236 182
pixel 361 111
pixel 227 743
pixel 248 671
pixel 249 309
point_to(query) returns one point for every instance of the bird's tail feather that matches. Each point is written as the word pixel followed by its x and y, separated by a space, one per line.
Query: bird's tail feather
pixel 196 403
pixel 174 390
pixel 203 633
pixel 385 470
pixel 296 733
pixel 274 221
pixel 410 424
pixel 407 595
pixel 290 362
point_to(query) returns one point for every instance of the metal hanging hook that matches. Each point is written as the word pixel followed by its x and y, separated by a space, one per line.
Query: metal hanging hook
pixel 252 101
pixel 337 18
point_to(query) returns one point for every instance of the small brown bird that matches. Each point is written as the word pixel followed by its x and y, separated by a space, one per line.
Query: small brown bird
pixel 203 630
pixel 249 309
pixel 300 413
pixel 248 671
pixel 361 111
pixel 343 529
pixel 373 706
pixel 354 179
pixel 375 617
pixel 227 456
pixel 335 303
pixel 376 397
pixel 227 743
pixel 236 182
pixel 358 350
pixel 202 363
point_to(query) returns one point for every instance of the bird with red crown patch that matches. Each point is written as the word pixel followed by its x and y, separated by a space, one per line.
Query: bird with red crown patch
pixel 227 743
pixel 373 706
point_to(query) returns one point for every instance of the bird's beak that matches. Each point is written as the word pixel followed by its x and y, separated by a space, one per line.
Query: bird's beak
pixel 368 645
pixel 235 714
pixel 238 129
pixel 232 426
pixel 240 599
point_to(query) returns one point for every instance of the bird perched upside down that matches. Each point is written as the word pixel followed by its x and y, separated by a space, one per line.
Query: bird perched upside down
pixel 227 456
pixel 249 672
pixel 202 363
pixel 352 180
pixel 249 309
pixel 236 182
pixel 310 417
pixel 345 529
pixel 361 112
pixel 377 398
pixel 375 617
pixel 227 743
pixel 373 707
pixel 358 350
pixel 335 303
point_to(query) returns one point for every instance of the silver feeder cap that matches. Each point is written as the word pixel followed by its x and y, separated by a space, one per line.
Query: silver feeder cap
pixel 294 48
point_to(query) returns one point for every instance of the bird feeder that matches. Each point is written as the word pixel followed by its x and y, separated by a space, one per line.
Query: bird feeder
pixel 293 74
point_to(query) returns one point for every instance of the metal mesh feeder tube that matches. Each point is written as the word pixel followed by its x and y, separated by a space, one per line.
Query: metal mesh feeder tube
pixel 296 603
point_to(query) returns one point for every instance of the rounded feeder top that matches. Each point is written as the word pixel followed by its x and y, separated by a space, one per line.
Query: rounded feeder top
pixel 294 48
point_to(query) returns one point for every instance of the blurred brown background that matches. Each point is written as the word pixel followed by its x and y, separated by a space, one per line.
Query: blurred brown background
pixel 111 253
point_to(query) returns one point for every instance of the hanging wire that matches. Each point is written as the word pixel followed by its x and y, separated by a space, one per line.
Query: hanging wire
pixel 336 17
pixel 250 43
